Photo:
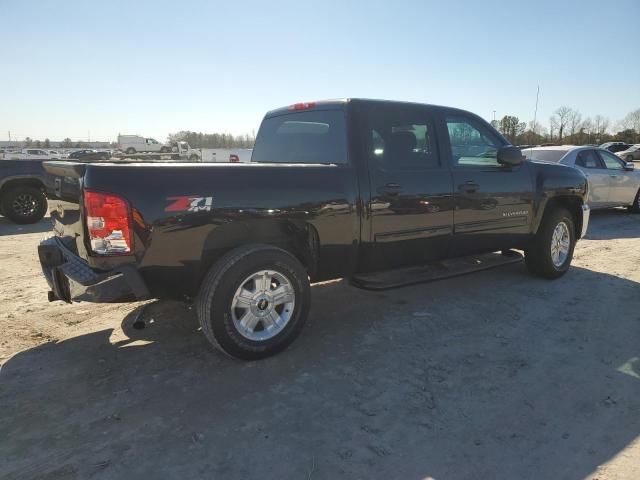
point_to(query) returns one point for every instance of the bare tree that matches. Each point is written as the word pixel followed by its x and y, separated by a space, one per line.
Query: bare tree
pixel 562 116
pixel 632 122
pixel 553 127
pixel 574 122
pixel 587 128
pixel 601 124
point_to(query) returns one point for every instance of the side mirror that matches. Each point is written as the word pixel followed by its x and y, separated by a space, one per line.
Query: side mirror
pixel 510 155
pixel 629 166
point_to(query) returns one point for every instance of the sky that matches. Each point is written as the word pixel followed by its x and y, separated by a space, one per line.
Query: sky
pixel 92 69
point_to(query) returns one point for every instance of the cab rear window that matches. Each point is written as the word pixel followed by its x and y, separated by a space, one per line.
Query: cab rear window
pixel 302 137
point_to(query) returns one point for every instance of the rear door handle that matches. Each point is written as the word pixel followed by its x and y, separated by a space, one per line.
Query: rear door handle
pixel 468 186
pixel 390 188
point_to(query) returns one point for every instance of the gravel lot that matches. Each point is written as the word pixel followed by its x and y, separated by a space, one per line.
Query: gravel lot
pixel 495 375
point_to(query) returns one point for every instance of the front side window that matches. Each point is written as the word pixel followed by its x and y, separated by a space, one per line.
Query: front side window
pixel 314 136
pixel 611 161
pixel 472 144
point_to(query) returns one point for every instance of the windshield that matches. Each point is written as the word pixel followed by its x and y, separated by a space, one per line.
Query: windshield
pixel 313 136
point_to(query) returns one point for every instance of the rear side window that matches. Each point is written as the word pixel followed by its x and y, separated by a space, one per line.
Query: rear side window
pixel 588 159
pixel 302 137
pixel 545 155
pixel 399 137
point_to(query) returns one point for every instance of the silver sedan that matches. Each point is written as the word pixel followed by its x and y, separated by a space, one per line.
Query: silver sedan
pixel 612 181
pixel 630 154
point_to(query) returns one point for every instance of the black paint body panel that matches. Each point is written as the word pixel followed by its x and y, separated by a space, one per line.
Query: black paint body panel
pixel 332 217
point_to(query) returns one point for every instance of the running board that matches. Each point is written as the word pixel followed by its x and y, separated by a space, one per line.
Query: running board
pixel 434 271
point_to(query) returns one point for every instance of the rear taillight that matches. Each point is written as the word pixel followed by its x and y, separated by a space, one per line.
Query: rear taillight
pixel 108 223
pixel 234 158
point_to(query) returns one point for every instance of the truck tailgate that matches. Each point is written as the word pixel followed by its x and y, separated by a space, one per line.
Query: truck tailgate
pixel 65 204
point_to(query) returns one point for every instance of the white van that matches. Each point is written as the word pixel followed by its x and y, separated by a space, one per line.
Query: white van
pixel 135 143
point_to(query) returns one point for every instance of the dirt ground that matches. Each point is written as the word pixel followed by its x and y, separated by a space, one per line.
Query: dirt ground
pixel 495 375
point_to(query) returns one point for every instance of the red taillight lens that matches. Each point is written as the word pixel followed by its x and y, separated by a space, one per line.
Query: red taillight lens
pixel 108 223
pixel 234 158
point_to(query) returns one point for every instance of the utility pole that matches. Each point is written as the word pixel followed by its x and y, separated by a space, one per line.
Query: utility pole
pixel 494 115
pixel 535 113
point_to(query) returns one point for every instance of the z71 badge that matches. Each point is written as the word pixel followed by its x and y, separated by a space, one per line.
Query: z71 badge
pixel 189 203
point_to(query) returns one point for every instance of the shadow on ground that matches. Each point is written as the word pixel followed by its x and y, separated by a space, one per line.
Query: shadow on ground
pixel 606 225
pixel 436 380
pixel 7 227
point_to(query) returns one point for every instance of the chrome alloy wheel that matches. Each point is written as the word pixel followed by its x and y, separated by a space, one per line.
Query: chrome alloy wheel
pixel 24 205
pixel 263 305
pixel 560 243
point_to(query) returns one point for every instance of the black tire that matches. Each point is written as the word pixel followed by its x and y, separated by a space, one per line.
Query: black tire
pixel 635 208
pixel 194 158
pixel 538 256
pixel 629 158
pixel 23 205
pixel 214 302
pixel 130 150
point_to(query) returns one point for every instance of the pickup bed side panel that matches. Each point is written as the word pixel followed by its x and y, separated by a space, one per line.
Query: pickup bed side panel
pixel 188 215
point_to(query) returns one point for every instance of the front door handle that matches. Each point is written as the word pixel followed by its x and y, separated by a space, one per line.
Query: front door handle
pixel 468 186
pixel 390 188
pixel 613 176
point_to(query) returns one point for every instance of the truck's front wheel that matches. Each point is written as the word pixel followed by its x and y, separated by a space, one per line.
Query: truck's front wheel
pixel 550 252
pixel 254 302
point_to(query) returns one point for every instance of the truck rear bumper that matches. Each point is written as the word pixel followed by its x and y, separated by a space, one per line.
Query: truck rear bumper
pixel 70 278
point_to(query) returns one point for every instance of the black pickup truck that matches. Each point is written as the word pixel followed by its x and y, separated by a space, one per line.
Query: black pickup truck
pixel 24 186
pixel 334 189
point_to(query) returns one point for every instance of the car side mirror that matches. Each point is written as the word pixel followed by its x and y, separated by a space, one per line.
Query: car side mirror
pixel 629 166
pixel 510 155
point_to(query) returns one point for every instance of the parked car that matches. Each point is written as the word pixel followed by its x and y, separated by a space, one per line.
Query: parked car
pixel 614 147
pixel 24 185
pixel 630 154
pixel 30 154
pixel 334 189
pixel 612 181
pixel 89 154
pixel 135 144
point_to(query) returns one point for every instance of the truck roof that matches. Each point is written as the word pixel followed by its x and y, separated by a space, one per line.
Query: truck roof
pixel 341 102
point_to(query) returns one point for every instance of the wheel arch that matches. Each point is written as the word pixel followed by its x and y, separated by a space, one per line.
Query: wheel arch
pixel 572 203
pixel 299 238
pixel 10 183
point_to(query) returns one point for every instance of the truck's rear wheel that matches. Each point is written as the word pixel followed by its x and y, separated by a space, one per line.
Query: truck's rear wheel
pixel 24 204
pixel 254 302
pixel 130 150
pixel 550 252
